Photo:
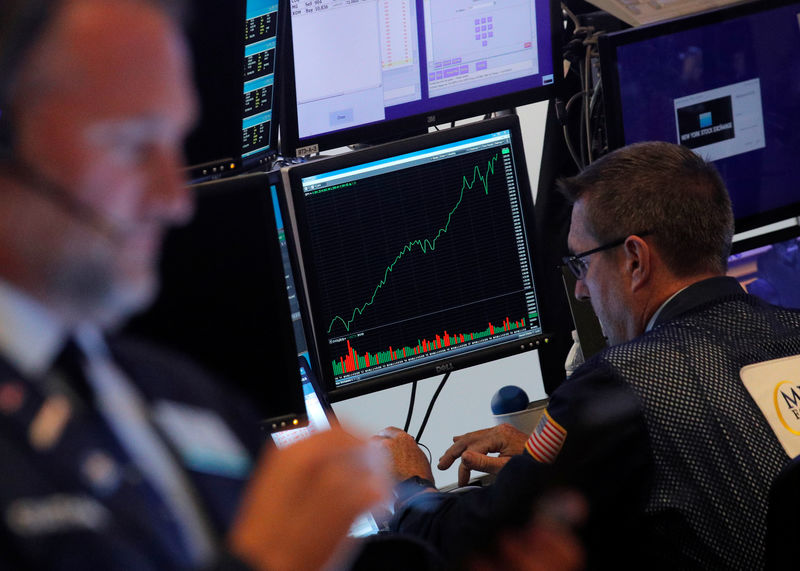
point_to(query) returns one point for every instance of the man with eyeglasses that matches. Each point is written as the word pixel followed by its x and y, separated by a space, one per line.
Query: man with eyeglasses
pixel 657 431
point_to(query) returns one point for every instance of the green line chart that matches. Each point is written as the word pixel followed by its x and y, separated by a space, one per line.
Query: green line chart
pixel 425 245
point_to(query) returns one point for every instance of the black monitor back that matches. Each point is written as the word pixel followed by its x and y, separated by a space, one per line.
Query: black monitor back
pixel 223 298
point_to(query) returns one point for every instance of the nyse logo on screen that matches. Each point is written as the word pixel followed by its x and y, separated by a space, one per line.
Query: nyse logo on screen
pixel 706 123
pixel 787 405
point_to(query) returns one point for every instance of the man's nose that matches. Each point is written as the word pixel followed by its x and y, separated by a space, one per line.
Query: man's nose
pixel 581 291
pixel 171 198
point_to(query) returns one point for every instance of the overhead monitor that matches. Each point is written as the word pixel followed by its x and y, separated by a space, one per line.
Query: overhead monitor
pixel 724 83
pixel 364 70
pixel 416 257
pixel 234 47
pixel 223 298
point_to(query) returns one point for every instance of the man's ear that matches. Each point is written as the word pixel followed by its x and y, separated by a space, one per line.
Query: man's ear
pixel 638 261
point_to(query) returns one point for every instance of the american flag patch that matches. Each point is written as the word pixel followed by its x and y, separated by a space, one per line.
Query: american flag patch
pixel 546 440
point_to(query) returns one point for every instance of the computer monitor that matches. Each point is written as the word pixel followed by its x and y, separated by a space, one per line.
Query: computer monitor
pixel 320 418
pixel 284 235
pixel 234 46
pixel 223 298
pixel 376 70
pixel 724 83
pixel 768 266
pixel 415 256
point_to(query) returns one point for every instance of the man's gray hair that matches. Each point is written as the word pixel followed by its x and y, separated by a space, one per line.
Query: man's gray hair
pixel 663 188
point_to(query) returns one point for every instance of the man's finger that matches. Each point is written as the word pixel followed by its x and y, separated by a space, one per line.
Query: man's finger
pixel 451 455
pixel 482 463
pixel 474 461
pixel 460 444
pixel 463 474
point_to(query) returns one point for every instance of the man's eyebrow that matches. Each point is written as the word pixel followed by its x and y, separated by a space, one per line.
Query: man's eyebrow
pixel 139 125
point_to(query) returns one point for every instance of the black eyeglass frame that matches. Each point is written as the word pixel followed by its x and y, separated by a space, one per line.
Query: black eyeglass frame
pixel 579 269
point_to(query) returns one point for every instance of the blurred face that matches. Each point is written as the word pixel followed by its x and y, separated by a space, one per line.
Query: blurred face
pixel 603 284
pixel 104 123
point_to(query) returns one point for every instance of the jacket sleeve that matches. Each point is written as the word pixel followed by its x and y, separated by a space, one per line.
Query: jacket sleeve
pixel 604 455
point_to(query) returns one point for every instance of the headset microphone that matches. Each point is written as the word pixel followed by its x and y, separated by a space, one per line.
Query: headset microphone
pixel 58 195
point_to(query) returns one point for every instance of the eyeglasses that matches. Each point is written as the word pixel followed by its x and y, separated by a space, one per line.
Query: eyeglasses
pixel 578 264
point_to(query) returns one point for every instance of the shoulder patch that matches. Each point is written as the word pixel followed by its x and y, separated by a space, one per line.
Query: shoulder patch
pixel 775 387
pixel 546 439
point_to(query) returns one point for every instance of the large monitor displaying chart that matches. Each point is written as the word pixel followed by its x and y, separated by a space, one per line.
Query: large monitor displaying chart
pixel 363 70
pixel 416 256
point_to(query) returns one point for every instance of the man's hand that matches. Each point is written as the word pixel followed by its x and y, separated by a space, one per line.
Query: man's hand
pixel 406 457
pixel 473 449
pixel 323 483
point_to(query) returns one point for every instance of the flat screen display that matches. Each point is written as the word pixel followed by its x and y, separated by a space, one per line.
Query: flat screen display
pixel 234 48
pixel 416 256
pixel 354 65
pixel 318 421
pixel 769 267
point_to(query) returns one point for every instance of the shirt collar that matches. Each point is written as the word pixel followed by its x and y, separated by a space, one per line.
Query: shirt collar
pixel 30 334
pixel 693 296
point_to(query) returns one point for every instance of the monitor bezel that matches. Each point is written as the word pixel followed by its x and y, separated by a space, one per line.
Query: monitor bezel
pixel 203 318
pixel 395 129
pixel 292 182
pixel 765 239
pixel 612 102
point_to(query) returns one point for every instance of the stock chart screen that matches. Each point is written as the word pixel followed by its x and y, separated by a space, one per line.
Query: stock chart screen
pixel 421 256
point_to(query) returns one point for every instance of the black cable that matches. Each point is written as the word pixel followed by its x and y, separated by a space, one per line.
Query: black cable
pixel 562 114
pixel 582 137
pixel 430 406
pixel 597 114
pixel 410 406
pixel 575 23
pixel 586 113
pixel 428 450
pixel 570 102
pixel 582 75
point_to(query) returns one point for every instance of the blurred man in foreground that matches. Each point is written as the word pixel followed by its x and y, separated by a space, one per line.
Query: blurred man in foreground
pixel 116 455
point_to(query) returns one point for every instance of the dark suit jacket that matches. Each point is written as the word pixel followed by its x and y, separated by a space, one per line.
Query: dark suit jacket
pixel 672 454
pixel 70 498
